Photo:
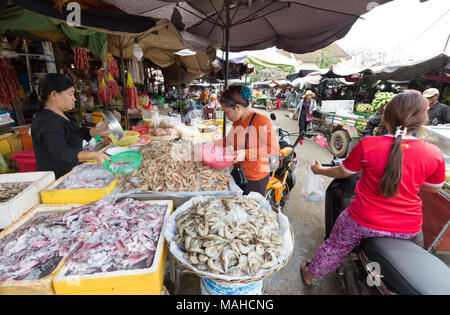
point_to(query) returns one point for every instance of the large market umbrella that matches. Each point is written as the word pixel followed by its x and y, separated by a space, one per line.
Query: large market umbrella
pixel 297 26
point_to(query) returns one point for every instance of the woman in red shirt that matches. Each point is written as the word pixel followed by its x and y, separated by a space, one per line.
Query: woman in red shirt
pixel 394 168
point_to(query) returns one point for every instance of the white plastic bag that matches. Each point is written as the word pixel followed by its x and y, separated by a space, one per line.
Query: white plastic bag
pixel 313 187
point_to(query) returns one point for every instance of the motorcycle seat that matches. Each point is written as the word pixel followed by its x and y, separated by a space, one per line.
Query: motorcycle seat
pixel 406 267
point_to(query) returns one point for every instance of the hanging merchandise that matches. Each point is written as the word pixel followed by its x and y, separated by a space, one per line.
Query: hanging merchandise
pixel 81 59
pixel 49 56
pixel 131 93
pixel 104 94
pixel 9 83
pixel 135 70
pixel 112 86
pixel 100 75
pixel 113 68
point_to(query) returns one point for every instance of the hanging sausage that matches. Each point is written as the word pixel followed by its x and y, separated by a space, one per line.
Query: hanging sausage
pixel 9 83
pixel 81 59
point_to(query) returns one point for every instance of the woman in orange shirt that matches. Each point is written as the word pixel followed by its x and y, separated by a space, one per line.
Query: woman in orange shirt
pixel 262 142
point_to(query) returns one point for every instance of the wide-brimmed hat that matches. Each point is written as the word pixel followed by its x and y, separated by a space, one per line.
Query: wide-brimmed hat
pixel 309 92
pixel 430 92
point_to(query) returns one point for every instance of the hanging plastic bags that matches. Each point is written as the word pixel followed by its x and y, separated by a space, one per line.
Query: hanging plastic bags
pixel 313 187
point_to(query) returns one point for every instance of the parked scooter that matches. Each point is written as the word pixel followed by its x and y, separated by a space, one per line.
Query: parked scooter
pixel 282 180
pixel 382 265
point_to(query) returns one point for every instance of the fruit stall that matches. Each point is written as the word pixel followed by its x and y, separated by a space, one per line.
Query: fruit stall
pixel 344 128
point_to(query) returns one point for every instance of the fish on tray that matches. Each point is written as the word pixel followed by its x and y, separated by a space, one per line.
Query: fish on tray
pixel 10 190
pixel 97 237
pixel 33 251
pixel 109 237
pixel 86 176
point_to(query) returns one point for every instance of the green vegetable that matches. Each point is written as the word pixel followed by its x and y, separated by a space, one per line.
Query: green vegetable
pixel 382 98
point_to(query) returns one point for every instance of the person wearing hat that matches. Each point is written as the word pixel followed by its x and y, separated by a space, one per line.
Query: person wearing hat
pixel 304 111
pixel 57 137
pixel 438 113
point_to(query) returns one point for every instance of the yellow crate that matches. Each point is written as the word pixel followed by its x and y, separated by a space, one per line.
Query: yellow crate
pixel 82 196
pixel 140 281
pixel 42 286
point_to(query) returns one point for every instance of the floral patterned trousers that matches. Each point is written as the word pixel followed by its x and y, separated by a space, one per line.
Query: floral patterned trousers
pixel 346 234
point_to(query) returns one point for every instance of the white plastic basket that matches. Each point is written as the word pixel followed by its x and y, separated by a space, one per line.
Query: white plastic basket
pixel 13 209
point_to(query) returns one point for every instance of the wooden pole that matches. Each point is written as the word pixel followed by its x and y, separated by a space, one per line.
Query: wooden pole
pixel 124 85
pixel 27 58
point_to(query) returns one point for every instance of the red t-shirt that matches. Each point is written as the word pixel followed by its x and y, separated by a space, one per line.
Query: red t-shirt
pixel 423 163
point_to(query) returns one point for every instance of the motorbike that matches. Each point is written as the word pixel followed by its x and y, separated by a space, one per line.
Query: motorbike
pixel 381 265
pixel 283 167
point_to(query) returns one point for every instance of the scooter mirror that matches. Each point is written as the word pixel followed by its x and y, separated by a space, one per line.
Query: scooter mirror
pixel 320 140
pixel 273 117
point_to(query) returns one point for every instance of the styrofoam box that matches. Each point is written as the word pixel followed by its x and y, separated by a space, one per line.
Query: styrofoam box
pixel 12 210
pixel 137 281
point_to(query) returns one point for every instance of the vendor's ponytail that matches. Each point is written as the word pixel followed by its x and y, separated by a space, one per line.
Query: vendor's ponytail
pixel 405 112
pixel 393 171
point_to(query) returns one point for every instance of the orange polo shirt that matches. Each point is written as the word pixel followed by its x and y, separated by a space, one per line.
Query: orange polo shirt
pixel 262 143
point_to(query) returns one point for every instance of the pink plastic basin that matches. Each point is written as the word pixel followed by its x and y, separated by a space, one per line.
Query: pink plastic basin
pixel 217 157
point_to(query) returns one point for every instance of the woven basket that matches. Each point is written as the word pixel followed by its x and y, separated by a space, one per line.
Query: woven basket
pixel 246 280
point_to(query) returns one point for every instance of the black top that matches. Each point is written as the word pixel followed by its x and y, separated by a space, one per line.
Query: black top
pixel 438 114
pixel 57 142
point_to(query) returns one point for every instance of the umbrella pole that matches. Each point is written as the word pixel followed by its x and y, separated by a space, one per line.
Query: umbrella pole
pixel 227 50
pixel 124 85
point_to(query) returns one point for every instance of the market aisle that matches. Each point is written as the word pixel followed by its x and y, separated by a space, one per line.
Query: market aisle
pixel 307 220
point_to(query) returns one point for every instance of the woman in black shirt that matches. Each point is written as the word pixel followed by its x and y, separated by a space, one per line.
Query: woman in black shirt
pixel 57 138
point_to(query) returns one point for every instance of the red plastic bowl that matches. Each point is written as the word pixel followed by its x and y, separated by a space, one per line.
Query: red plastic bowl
pixel 217 157
pixel 143 130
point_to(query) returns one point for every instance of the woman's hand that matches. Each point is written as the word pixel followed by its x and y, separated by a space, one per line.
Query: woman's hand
pixel 316 168
pixel 103 126
pixel 101 157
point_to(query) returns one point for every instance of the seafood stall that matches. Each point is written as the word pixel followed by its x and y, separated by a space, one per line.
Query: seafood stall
pixel 436 207
pixel 231 242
